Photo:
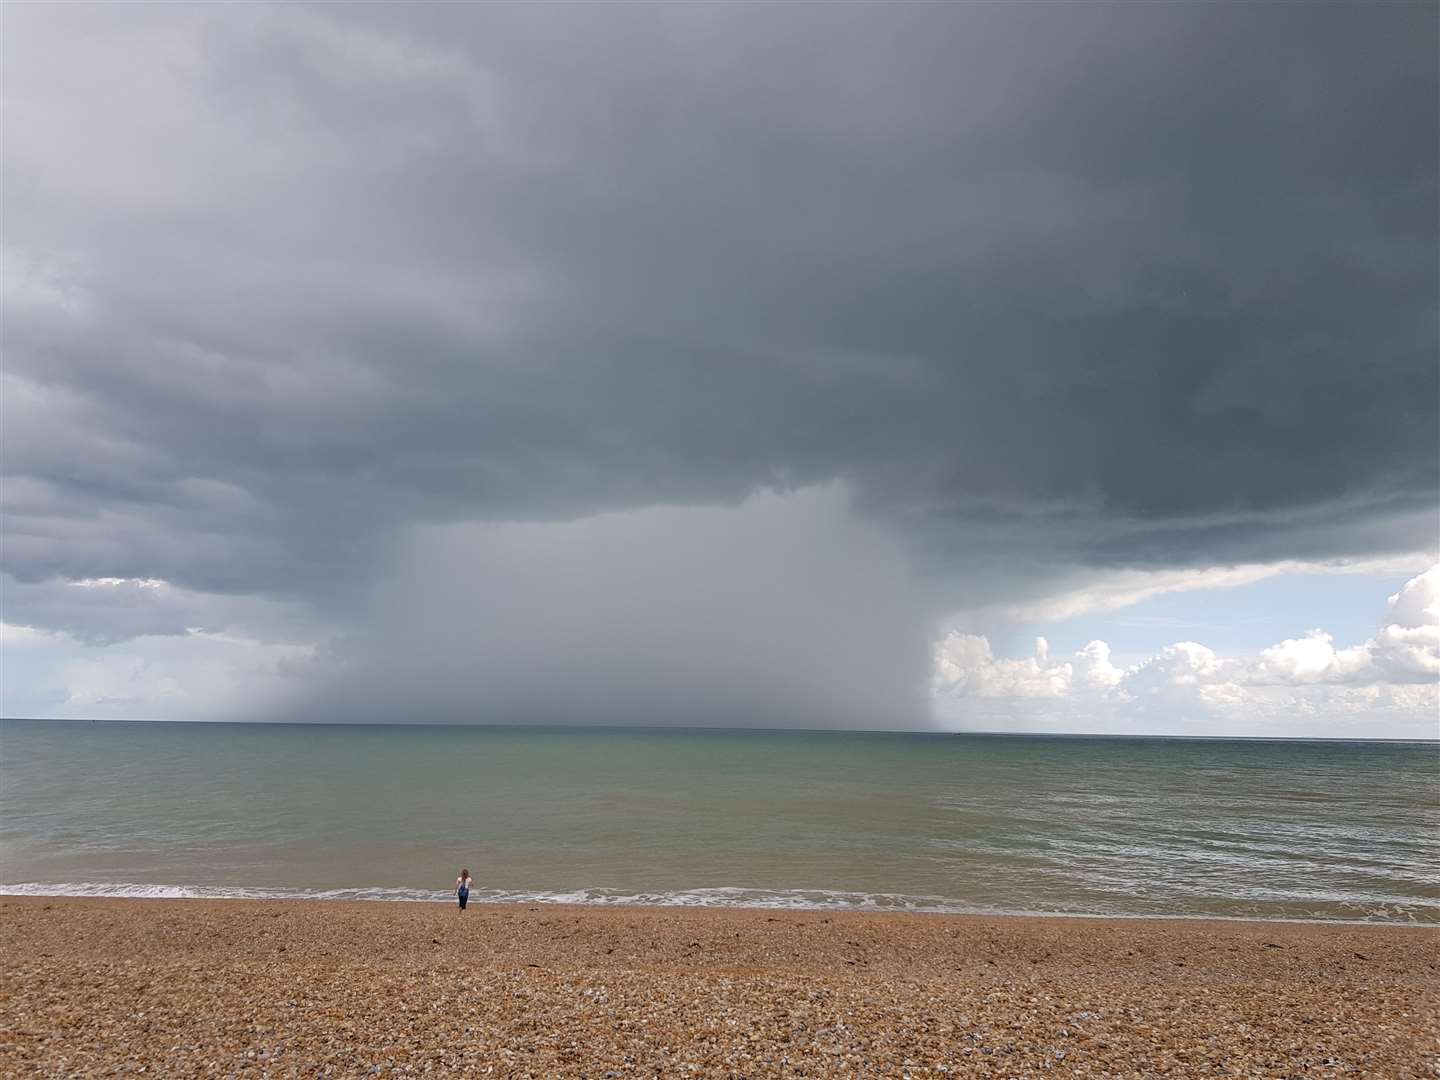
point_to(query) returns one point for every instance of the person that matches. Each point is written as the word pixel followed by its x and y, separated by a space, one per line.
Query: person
pixel 462 887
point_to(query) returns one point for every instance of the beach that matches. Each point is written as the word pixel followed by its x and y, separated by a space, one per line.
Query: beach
pixel 306 988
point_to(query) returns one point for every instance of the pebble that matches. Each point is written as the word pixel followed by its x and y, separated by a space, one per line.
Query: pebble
pixel 215 988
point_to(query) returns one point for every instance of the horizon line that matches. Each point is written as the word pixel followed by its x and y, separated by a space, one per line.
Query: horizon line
pixel 751 729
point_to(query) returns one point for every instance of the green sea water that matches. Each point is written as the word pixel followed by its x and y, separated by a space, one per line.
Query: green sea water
pixel 1063 825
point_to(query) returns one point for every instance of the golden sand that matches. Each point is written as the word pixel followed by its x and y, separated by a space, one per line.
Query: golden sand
pixel 252 988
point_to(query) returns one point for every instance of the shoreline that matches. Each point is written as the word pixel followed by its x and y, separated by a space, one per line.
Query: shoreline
pixel 296 987
pixel 502 898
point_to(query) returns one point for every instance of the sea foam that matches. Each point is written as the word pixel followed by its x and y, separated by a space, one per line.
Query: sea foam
pixel 712 897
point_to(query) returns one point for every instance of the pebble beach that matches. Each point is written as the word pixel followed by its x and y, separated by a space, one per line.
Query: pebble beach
pixel 109 987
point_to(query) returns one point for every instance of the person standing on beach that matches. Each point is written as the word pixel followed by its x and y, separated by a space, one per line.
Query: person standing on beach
pixel 462 887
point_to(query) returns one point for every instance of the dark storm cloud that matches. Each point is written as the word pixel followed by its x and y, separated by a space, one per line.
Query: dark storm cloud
pixel 1086 284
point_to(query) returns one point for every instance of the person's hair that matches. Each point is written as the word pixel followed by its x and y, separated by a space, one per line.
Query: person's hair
pixel 464 873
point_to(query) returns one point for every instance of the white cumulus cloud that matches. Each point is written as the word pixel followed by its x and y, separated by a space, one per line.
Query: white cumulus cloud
pixel 1394 673
pixel 965 664
pixel 1405 650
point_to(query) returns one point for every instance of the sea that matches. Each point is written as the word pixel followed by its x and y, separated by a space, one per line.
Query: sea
pixel 1051 825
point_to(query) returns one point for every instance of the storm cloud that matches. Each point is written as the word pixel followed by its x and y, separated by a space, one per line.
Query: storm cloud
pixel 1046 289
pixel 783 611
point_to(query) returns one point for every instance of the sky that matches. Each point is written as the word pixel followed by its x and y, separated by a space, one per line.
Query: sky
pixel 972 367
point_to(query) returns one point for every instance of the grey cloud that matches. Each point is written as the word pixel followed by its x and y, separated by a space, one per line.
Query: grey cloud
pixel 1096 285
pixel 780 612
pixel 107 611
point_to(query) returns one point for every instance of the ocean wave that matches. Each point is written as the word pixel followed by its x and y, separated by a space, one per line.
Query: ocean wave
pixel 805 899
pixel 713 897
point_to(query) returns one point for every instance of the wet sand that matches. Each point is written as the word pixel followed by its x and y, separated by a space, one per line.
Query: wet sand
pixel 257 988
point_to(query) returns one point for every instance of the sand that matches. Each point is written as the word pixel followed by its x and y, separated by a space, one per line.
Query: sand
pixel 253 988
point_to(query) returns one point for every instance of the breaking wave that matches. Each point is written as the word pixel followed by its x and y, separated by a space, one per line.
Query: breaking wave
pixel 802 899
pixel 722 897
